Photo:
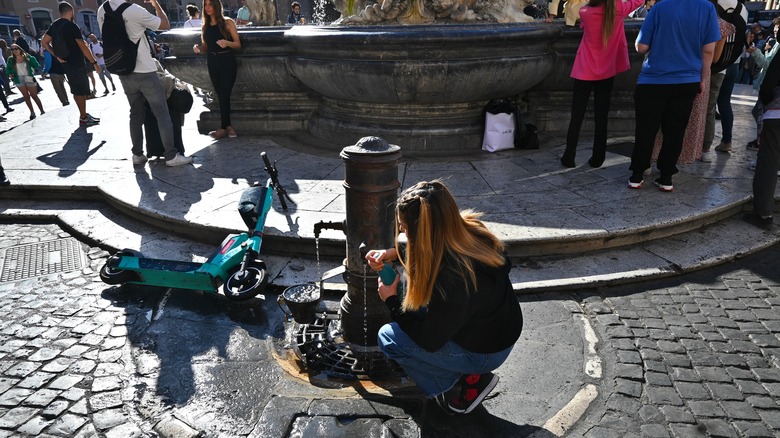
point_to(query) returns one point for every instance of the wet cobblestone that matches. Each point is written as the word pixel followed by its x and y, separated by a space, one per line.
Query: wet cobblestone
pixel 698 355
pixel 63 350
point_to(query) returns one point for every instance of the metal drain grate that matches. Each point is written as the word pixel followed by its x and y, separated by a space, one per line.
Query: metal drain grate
pixel 42 258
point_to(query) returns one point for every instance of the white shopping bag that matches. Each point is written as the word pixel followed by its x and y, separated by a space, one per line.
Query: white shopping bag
pixel 499 132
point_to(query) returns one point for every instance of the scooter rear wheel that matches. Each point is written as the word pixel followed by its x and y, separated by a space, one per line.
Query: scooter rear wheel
pixel 246 284
pixel 111 275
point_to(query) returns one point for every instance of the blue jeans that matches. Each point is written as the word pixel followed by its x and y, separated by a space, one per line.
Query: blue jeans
pixel 724 102
pixel 438 371
pixel 147 86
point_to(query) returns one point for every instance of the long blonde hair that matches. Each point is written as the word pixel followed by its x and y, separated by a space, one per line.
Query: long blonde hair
pixel 436 229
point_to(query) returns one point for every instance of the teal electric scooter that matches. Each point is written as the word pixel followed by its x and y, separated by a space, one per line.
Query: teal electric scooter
pixel 235 265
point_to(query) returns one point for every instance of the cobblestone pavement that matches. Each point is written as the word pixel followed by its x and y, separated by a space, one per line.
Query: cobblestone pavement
pixel 695 356
pixel 64 354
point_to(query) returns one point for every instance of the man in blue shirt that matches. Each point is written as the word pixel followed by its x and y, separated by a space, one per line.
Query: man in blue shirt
pixel 678 37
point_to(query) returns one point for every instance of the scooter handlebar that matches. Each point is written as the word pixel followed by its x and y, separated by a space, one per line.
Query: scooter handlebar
pixel 274 174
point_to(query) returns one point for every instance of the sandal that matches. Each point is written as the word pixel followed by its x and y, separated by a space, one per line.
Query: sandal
pixel 232 133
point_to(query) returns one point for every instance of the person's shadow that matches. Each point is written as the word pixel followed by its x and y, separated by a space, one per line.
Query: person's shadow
pixel 75 152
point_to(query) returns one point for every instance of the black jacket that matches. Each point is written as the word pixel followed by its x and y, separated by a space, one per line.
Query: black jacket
pixel 487 320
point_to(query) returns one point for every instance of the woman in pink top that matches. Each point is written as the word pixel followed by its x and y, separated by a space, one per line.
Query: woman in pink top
pixel 602 54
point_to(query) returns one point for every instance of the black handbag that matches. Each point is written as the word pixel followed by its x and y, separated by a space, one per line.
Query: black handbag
pixel 181 100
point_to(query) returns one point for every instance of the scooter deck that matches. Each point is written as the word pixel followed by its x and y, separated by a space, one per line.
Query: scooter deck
pixel 169 273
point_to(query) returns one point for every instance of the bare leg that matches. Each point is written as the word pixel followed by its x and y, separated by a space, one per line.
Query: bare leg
pixel 34 95
pixel 26 95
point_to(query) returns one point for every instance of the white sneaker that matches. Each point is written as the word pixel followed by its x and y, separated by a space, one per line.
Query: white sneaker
pixel 752 165
pixel 139 159
pixel 706 157
pixel 178 160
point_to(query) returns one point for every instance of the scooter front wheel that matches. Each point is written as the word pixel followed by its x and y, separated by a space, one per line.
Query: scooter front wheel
pixel 110 275
pixel 245 284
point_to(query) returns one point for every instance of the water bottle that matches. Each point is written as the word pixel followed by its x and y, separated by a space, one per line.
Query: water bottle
pixel 387 274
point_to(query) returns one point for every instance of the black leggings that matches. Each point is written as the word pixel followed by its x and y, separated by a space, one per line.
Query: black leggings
pixel 222 71
pixel 602 94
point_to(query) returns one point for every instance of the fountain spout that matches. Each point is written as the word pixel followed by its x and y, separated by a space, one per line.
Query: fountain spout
pixel 322 225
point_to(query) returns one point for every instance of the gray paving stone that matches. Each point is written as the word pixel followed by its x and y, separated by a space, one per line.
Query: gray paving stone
pixel 688 430
pixel 67 425
pixel 65 381
pixel 739 410
pixel 685 375
pixel 692 391
pixel 41 398
pixel 677 414
pixel 725 391
pixel 401 428
pixel 34 426
pixel 752 429
pixel 662 395
pixel 628 387
pixel 713 374
pixel 108 418
pixel 707 408
pixel 760 402
pixel 719 429
pixel 16 417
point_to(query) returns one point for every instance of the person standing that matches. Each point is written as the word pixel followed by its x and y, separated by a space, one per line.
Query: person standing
pixel 20 41
pixel 295 16
pixel 679 38
pixel 459 318
pixel 57 77
pixel 242 16
pixel 21 69
pixel 603 53
pixel 96 46
pixel 768 159
pixel 5 54
pixel 74 63
pixel 219 39
pixel 194 20
pixel 143 84
pixel 4 181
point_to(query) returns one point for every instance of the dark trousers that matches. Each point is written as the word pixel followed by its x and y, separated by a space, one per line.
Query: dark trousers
pixel 222 71
pixel 767 164
pixel 664 106
pixel 724 102
pixel 602 94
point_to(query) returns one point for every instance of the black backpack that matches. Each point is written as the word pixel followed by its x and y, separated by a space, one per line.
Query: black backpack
pixel 118 51
pixel 734 43
pixel 58 43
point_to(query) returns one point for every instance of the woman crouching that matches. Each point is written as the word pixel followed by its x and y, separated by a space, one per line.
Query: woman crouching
pixel 459 318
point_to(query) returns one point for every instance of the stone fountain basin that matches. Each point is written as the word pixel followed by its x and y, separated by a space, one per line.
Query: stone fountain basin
pixel 421 64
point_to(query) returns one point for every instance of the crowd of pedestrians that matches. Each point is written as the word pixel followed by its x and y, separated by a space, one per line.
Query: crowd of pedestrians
pixel 694 53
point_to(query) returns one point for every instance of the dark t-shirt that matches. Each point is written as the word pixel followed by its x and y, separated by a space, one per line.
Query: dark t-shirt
pixel 71 32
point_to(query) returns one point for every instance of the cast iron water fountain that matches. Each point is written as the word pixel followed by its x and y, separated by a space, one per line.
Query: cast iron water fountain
pixel 343 343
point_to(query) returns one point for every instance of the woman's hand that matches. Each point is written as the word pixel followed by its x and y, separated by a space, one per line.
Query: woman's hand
pixel 223 43
pixel 196 49
pixel 376 258
pixel 386 291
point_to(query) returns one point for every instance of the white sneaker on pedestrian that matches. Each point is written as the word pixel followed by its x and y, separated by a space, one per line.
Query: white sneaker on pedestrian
pixel 752 165
pixel 178 160
pixel 139 159
pixel 706 157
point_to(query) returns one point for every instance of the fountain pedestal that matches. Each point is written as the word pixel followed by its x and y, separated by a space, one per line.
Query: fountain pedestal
pixel 371 185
